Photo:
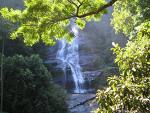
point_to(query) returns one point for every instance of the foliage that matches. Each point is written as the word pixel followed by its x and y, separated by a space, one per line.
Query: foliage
pixel 129 14
pixel 42 19
pixel 17 46
pixel 28 87
pixel 130 91
pixel 134 58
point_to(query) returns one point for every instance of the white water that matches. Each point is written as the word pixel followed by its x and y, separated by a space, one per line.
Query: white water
pixel 69 55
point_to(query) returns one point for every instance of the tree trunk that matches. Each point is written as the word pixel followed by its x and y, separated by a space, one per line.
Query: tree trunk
pixel 1 80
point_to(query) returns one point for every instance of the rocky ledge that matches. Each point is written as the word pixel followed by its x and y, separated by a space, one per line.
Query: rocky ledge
pixel 82 103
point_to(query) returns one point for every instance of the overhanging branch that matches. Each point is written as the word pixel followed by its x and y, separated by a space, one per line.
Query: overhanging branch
pixel 76 15
pixel 98 10
pixel 101 8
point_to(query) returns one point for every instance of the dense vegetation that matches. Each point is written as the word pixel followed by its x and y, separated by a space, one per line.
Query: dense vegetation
pixel 127 92
pixel 28 87
pixel 130 91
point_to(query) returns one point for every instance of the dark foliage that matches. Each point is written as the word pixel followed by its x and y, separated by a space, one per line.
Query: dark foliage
pixel 28 87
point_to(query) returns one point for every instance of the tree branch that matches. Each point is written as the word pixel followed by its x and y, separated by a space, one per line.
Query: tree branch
pixel 98 10
pixel 101 8
pixel 72 3
pixel 78 8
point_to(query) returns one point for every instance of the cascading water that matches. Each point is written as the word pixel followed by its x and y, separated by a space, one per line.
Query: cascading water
pixel 69 55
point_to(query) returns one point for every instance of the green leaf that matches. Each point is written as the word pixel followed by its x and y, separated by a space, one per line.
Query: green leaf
pixel 80 23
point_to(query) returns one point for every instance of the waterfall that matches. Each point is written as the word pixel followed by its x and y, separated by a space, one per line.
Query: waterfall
pixel 69 55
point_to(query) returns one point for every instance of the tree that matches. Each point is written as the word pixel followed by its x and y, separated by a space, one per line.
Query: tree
pixel 28 87
pixel 42 19
pixel 130 92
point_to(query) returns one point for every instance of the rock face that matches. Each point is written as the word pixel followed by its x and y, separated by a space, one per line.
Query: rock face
pixel 82 103
pixel 91 75
pixel 95 43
